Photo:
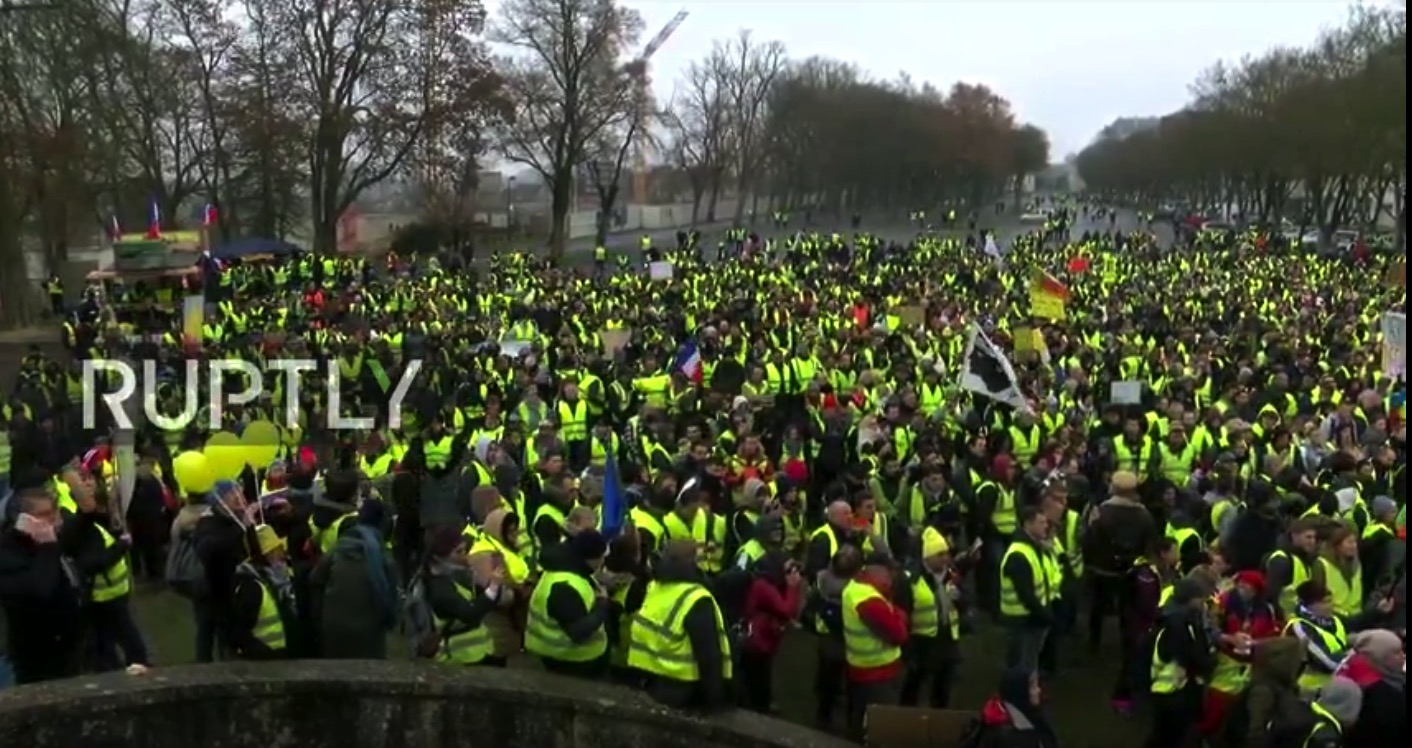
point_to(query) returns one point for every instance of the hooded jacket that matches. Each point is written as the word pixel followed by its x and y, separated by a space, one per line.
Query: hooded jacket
pixel 501 623
pixel 1383 718
pixel 1274 688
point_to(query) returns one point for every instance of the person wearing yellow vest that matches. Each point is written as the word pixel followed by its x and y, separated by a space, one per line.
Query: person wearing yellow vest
pixel 1243 617
pixel 875 629
pixel 262 606
pixel 1378 547
pixel 1031 578
pixel 767 536
pixel 933 604
pixel 460 602
pixel 693 520
pixel 1336 714
pixel 1324 634
pixel 334 512
pixel 573 418
pixel 678 637
pixel 1293 565
pixel 1181 659
pixel 101 555
pixel 567 628
pixel 1150 586
pixel 547 528
pixel 1342 571
pixel 826 540
pixel 995 509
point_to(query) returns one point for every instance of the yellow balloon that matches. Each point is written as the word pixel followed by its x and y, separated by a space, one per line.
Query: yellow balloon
pixel 261 443
pixel 225 454
pixel 193 472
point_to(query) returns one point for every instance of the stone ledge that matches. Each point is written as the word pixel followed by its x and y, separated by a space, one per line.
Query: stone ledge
pixel 366 704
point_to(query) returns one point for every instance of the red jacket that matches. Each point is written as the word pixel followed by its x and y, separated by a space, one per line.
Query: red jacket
pixel 768 612
pixel 889 623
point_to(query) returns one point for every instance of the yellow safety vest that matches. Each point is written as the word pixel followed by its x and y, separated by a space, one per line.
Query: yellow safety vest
pixel 1329 722
pixel 827 530
pixel 116 581
pixel 1024 446
pixel 544 636
pixel 466 647
pixel 711 538
pixel 1167 677
pixel 1299 574
pixel 552 512
pixel 1347 592
pixel 1176 467
pixel 861 647
pixel 1003 517
pixel 925 619
pixel 1072 548
pixel 438 452
pixel 659 644
pixel 642 520
pixel 1048 576
pixel 1134 462
pixel 269 626
pixel 5 451
pixel 515 567
pixel 376 467
pixel 1335 643
pixel 573 421
pixel 326 537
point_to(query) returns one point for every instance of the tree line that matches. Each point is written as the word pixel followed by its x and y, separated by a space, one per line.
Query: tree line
pixel 1314 136
pixel 283 113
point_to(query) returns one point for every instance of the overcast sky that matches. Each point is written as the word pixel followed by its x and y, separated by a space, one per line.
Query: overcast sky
pixel 1069 67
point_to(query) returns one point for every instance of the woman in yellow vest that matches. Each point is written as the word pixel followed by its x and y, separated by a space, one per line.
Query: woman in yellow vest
pixel 459 603
pixel 678 637
pixel 262 605
pixel 1343 573
pixel 567 627
pixel 496 548
pixel 100 554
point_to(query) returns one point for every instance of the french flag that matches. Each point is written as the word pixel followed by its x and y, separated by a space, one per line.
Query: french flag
pixel 689 361
pixel 208 215
pixel 154 220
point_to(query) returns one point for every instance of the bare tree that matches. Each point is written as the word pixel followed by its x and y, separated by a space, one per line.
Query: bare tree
pixel 604 169
pixel 696 120
pixel 373 74
pixel 566 87
pixel 750 72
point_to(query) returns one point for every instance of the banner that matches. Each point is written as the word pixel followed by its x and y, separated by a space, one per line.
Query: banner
pixel 1048 296
pixel 1395 345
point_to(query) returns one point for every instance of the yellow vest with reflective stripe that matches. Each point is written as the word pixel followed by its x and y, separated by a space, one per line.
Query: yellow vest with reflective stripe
pixel 116 581
pixel 708 531
pixel 1176 467
pixel 659 645
pixel 1003 516
pixel 325 537
pixel 1024 446
pixel 861 647
pixel 925 619
pixel 1048 576
pixel 5 452
pixel 515 567
pixel 643 520
pixel 1334 642
pixel 544 636
pixel 464 647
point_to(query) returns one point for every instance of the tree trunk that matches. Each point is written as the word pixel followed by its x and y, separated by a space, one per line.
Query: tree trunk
pixel 560 202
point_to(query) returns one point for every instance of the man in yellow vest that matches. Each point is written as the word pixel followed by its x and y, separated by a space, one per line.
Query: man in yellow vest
pixel 1182 655
pixel 678 637
pixel 875 629
pixel 569 611
pixel 1031 578
pixel 933 611
pixel 100 553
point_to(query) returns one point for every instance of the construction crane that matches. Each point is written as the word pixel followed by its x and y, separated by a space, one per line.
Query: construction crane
pixel 643 101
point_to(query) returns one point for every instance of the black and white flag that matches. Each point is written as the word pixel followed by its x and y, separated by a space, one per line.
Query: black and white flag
pixel 987 372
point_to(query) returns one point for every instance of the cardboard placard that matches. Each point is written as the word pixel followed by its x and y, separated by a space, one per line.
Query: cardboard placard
pixel 913 727
pixel 1394 362
pixel 661 271
pixel 912 315
pixel 614 340
pixel 1125 393
pixel 1396 276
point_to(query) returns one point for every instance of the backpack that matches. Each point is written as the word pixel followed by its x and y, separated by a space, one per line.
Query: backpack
pixel 185 573
pixel 1291 724
pixel 418 623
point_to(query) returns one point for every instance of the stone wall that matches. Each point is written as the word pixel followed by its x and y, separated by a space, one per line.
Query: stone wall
pixel 365 705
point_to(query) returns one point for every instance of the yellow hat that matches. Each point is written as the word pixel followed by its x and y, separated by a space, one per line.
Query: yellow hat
pixel 269 541
pixel 934 543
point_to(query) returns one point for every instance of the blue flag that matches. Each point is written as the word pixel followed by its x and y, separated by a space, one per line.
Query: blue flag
pixel 615 505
